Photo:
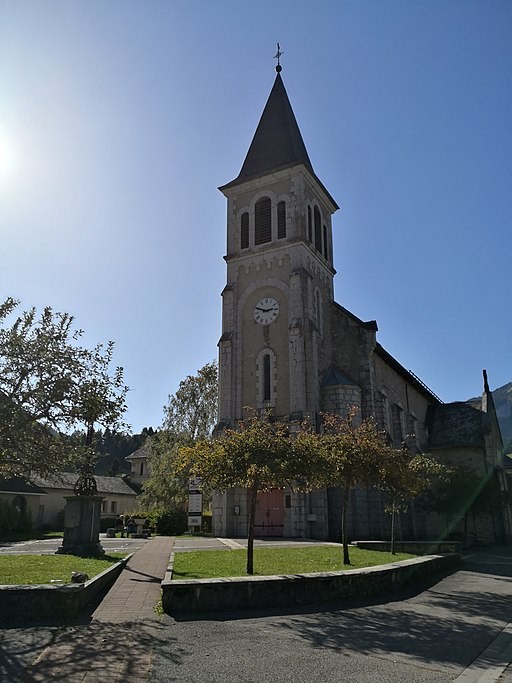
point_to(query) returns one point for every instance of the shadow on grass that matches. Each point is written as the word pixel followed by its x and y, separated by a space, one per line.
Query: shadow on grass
pixel 30 536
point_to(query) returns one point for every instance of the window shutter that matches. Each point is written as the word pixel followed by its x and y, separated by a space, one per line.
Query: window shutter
pixel 318 229
pixel 281 220
pixel 244 231
pixel 262 221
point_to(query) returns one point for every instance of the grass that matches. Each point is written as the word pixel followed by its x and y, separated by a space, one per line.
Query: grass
pixel 30 536
pixel 210 564
pixel 31 569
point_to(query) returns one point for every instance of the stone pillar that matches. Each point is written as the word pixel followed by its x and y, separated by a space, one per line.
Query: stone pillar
pixel 82 516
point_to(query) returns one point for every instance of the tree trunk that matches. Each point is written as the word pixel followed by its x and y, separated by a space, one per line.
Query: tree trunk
pixel 344 511
pixel 250 530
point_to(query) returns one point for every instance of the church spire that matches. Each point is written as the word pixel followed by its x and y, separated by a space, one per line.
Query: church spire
pixel 277 143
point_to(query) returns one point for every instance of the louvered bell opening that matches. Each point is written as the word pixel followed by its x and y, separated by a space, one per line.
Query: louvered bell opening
pixel 310 225
pixel 281 220
pixel 244 231
pixel 318 230
pixel 262 221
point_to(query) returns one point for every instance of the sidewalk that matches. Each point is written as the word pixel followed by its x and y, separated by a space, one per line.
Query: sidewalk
pixel 117 645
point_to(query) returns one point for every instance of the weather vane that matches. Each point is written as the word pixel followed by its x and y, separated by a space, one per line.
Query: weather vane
pixel 277 56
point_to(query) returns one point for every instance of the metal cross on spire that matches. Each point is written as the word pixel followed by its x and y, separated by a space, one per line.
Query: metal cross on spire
pixel 278 56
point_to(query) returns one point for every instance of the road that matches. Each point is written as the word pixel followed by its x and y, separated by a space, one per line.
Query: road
pixel 432 636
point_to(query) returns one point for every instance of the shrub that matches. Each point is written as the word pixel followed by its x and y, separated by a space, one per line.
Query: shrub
pixel 165 521
pixel 206 526
pixel 13 520
pixel 107 523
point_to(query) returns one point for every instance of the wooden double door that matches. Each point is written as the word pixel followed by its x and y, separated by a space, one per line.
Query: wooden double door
pixel 269 517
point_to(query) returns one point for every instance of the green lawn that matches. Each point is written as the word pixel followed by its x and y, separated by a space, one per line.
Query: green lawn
pixel 208 564
pixel 30 569
pixel 30 536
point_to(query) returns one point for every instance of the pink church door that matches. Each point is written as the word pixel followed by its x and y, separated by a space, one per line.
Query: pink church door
pixel 269 518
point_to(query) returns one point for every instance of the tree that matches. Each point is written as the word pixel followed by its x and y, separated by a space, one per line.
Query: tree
pixel 49 386
pixel 192 411
pixel 404 476
pixel 257 456
pixel 351 450
pixel 191 414
pixel 466 494
pixel 99 398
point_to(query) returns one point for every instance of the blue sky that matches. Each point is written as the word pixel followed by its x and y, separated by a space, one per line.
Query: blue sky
pixel 119 120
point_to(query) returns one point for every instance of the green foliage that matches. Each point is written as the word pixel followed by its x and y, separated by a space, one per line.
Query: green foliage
pixel 169 522
pixel 257 456
pixel 49 386
pixel 165 487
pixel 405 476
pixel 13 520
pixel 348 453
pixel 206 526
pixel 190 414
pixel 466 494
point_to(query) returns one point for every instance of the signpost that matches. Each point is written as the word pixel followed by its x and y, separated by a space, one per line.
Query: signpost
pixel 195 503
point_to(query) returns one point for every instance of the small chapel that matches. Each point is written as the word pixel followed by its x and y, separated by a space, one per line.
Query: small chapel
pixel 288 346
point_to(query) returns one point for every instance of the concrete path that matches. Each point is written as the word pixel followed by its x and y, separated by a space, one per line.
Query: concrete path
pixel 117 644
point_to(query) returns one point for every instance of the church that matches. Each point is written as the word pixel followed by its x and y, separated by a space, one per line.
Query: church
pixel 288 346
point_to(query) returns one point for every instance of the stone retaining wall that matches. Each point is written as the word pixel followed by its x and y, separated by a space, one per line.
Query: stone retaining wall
pixel 252 592
pixel 412 547
pixel 41 602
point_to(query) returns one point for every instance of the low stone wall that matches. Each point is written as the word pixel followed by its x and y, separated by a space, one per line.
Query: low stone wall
pixel 41 602
pixel 413 547
pixel 253 592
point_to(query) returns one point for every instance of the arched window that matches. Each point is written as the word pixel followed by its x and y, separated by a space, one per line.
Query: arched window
pixel 326 248
pixel 244 231
pixel 310 225
pixel 281 220
pixel 262 221
pixel 266 377
pixel 318 229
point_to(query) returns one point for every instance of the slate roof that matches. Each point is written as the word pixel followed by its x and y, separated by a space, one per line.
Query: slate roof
pixel 455 425
pixel 141 452
pixel 67 480
pixel 19 485
pixel 334 377
pixel 277 142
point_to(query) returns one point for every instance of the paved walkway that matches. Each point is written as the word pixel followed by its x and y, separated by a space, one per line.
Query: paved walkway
pixel 117 644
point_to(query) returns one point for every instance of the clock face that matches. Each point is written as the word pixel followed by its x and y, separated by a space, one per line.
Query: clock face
pixel 266 311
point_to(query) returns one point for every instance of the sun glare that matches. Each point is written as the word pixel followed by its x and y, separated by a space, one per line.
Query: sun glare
pixel 8 160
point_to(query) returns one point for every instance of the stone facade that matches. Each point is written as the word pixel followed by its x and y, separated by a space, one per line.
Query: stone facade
pixel 314 355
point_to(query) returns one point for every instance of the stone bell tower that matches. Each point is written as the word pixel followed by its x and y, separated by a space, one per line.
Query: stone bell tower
pixel 275 312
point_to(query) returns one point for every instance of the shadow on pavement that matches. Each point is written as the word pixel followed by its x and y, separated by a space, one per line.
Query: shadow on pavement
pixel 103 651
